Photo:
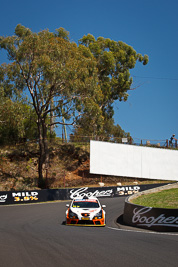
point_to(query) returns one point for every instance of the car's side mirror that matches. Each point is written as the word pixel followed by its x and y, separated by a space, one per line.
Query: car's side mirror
pixel 103 206
pixel 67 205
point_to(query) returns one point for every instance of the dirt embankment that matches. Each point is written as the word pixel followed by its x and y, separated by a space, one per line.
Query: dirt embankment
pixel 69 167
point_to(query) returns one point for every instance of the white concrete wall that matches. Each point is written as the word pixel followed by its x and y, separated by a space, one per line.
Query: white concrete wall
pixel 133 161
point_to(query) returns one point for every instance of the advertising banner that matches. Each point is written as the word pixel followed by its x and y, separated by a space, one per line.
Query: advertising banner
pixel 133 161
pixel 35 196
pixel 156 219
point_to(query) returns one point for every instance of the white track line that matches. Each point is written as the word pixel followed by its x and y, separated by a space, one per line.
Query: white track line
pixel 142 231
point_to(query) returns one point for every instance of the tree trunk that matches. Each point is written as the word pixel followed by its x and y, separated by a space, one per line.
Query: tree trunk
pixel 51 120
pixel 43 162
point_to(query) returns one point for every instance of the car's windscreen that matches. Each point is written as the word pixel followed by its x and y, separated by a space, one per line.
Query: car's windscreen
pixel 85 204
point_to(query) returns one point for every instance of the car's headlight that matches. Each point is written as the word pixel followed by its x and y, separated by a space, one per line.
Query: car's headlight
pixel 98 215
pixel 72 215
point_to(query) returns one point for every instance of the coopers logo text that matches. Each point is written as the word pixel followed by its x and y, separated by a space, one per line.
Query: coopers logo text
pixel 3 198
pixel 141 218
pixel 84 192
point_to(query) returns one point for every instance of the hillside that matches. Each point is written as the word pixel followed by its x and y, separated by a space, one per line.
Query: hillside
pixel 69 167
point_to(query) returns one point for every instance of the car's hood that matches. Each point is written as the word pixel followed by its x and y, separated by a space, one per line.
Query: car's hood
pixel 91 211
pixel 85 210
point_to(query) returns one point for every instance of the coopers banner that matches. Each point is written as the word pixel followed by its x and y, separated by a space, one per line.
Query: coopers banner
pixel 151 218
pixel 133 161
pixel 35 196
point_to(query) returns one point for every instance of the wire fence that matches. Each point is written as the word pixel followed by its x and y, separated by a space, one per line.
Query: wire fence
pixel 123 140
pixel 85 140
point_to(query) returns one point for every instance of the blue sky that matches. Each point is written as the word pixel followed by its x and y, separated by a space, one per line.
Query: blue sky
pixel 149 26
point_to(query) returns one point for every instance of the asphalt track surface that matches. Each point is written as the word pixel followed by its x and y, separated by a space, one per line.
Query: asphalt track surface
pixel 33 235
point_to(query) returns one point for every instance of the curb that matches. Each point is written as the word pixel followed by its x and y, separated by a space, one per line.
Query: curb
pixel 149 218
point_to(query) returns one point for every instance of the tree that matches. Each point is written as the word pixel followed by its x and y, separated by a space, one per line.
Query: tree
pixel 110 131
pixel 16 122
pixel 115 132
pixel 114 61
pixel 16 116
pixel 51 68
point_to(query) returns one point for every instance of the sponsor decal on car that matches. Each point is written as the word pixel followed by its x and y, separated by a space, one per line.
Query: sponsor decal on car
pixel 85 200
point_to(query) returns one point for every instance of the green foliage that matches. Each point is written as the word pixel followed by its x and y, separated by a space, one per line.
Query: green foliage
pixel 114 60
pixel 8 86
pixel 17 122
pixel 62 33
pixel 49 66
pixel 87 127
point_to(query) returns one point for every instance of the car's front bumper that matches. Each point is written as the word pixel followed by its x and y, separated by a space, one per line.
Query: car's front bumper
pixel 77 222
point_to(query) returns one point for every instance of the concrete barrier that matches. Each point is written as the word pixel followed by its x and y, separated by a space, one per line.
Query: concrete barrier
pixel 156 219
pixel 34 196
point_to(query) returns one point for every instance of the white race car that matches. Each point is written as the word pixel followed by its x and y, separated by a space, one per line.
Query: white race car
pixel 85 211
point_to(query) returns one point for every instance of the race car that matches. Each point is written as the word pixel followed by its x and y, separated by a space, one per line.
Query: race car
pixel 85 211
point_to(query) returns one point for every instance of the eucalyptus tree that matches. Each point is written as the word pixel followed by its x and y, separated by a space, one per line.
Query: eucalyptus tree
pixel 52 70
pixel 16 122
pixel 15 114
pixel 114 60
